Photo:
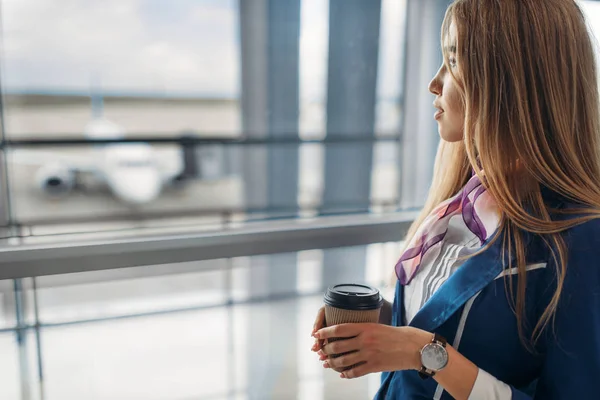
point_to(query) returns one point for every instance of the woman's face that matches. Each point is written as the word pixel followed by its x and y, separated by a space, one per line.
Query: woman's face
pixel 450 114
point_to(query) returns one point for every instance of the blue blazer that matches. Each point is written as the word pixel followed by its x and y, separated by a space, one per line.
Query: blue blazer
pixel 471 310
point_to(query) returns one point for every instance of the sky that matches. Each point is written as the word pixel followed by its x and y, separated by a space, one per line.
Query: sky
pixel 147 45
pixel 159 46
pixel 171 46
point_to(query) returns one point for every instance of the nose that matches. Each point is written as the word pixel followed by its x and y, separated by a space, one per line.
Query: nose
pixel 435 86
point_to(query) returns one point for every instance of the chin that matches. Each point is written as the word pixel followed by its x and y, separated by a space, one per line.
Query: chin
pixel 450 135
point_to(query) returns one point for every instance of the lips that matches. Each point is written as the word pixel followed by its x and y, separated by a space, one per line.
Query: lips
pixel 439 111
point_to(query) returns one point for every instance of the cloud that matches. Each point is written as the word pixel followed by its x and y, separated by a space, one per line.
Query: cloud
pixel 135 45
pixel 189 46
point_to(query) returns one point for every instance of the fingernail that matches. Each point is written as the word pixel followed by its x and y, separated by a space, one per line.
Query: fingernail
pixel 325 364
pixel 317 334
pixel 342 376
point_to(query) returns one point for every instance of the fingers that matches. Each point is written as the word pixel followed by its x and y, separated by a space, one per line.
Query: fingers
pixel 356 372
pixel 318 345
pixel 319 323
pixel 342 362
pixel 315 346
pixel 341 346
pixel 342 330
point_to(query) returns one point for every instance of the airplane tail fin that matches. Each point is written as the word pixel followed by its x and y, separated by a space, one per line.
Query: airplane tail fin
pixel 188 154
pixel 96 98
pixel 97 104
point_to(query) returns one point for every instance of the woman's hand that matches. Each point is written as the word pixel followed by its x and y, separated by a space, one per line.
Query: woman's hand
pixel 319 323
pixel 375 347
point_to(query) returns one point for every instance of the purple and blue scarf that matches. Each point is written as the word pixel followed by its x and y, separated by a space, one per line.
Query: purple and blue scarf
pixel 479 214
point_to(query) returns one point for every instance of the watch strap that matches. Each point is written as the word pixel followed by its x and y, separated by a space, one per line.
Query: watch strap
pixel 439 339
pixel 425 373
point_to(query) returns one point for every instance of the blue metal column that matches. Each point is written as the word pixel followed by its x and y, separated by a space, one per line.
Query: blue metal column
pixel 283 51
pixel 351 89
pixel 271 29
pixel 270 33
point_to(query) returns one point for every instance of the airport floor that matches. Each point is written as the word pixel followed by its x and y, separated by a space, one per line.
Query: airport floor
pixel 256 351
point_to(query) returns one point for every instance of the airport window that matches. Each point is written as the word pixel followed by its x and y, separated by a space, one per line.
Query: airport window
pixel 101 71
pixel 216 110
pixel 134 122
pixel 175 331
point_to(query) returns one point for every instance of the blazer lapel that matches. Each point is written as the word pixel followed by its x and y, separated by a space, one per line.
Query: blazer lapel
pixel 475 274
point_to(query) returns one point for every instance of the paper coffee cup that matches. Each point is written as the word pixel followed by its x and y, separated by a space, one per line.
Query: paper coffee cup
pixel 351 303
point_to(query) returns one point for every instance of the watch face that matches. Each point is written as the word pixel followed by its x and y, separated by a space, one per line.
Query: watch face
pixel 434 357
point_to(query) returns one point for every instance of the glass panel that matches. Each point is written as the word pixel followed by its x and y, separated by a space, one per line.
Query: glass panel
pixel 390 75
pixel 149 63
pixel 186 334
pixel 209 353
pixel 91 189
pixel 310 371
pixel 240 278
pixel 130 291
pixel 9 367
pixel 385 179
pixel 72 190
pixel 314 32
pixel 310 271
pixel 69 75
pixel 7 305
pixel 178 356
pixel 311 180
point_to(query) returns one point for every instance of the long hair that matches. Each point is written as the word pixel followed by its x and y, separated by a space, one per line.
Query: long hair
pixel 532 120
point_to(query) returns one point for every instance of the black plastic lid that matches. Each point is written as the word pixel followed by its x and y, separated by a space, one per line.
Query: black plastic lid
pixel 351 296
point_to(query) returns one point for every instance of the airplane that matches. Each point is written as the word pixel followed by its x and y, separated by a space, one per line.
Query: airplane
pixel 134 172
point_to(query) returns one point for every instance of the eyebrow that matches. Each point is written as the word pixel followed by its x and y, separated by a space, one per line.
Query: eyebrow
pixel 450 49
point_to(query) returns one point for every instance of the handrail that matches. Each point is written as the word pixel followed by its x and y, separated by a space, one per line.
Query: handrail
pixel 32 140
pixel 28 260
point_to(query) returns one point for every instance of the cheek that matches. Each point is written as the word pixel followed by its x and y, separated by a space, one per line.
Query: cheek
pixel 452 129
pixel 454 102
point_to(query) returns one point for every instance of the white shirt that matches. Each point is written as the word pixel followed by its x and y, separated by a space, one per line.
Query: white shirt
pixel 458 242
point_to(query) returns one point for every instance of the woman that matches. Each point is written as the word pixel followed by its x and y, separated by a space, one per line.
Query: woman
pixel 498 292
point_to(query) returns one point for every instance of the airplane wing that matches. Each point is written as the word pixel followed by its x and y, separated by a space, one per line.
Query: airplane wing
pixel 80 161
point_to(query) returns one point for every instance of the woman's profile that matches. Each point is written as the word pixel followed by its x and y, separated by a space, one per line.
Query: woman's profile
pixel 497 290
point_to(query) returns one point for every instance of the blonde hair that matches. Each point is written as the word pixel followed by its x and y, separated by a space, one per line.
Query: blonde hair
pixel 532 119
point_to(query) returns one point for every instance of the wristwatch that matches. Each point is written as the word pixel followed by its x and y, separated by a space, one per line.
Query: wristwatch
pixel 434 357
